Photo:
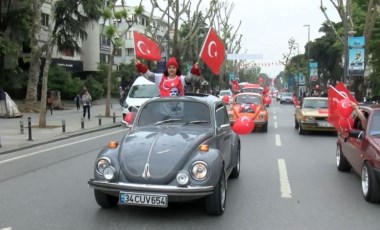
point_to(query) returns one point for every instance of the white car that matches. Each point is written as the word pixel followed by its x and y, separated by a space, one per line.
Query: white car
pixel 225 92
pixel 141 91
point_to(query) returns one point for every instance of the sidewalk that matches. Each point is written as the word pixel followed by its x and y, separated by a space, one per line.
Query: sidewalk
pixel 12 139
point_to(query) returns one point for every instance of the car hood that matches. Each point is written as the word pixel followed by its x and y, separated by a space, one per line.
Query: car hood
pixel 155 154
pixel 315 112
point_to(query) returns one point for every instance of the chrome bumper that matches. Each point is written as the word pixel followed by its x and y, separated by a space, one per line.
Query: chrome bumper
pixel 167 189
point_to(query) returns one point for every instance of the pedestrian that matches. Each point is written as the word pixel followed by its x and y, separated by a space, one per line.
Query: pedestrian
pixel 77 101
pixel 171 82
pixel 49 103
pixel 86 101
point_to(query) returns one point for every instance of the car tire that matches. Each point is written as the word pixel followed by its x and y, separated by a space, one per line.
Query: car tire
pixel 105 200
pixel 265 128
pixel 236 170
pixel 296 124
pixel 301 131
pixel 341 161
pixel 216 202
pixel 370 184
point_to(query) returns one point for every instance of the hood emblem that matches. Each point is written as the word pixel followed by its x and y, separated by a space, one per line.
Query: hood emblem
pixel 146 172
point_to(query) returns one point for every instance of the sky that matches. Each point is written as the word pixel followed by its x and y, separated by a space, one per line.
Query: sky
pixel 268 25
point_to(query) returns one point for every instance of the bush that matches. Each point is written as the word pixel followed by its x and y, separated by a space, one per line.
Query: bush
pixel 94 88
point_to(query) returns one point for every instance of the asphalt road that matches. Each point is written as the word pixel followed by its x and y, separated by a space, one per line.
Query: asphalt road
pixel 287 181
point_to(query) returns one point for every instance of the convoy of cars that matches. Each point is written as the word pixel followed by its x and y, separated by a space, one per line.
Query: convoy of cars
pixel 178 149
pixel 359 150
pixel 312 115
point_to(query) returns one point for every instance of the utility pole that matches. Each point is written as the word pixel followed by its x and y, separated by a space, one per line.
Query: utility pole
pixel 308 56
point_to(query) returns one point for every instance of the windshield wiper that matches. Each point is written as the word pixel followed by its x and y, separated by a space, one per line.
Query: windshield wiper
pixel 167 121
pixel 196 122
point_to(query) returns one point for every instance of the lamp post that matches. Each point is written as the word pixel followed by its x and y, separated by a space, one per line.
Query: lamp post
pixel 298 71
pixel 168 38
pixel 308 56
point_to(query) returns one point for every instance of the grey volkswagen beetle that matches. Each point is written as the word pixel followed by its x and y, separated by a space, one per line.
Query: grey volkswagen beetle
pixel 178 149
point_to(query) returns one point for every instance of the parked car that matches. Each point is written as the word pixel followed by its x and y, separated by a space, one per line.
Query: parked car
pixel 178 149
pixel 286 98
pixel 141 91
pixel 312 115
pixel 252 106
pixel 360 150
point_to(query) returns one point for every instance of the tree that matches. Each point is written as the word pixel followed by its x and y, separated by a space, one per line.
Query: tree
pixel 114 15
pixel 66 30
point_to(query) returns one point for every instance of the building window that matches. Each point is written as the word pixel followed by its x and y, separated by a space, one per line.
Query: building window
pixel 129 35
pixel 130 52
pixel 104 58
pixel 118 52
pixel 67 53
pixel 104 40
pixel 44 19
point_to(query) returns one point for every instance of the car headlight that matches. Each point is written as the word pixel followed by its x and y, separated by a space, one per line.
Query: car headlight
pixel 102 164
pixel 310 118
pixel 183 178
pixel 199 170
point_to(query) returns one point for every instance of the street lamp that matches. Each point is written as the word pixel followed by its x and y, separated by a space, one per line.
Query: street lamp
pixel 298 71
pixel 308 56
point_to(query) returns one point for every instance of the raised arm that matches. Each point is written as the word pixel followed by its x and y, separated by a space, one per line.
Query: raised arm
pixel 154 77
pixel 360 114
pixel 194 76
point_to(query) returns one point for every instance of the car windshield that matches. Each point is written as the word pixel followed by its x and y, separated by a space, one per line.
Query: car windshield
pixel 315 104
pixel 252 90
pixel 143 91
pixel 374 129
pixel 174 112
pixel 248 99
pixel 286 95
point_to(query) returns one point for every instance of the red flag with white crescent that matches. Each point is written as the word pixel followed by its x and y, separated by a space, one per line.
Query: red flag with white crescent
pixel 212 52
pixel 145 48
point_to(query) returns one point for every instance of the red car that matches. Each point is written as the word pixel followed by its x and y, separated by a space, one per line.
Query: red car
pixel 360 150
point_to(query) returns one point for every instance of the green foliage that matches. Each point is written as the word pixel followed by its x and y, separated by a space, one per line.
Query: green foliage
pixel 110 31
pixel 61 80
pixel 94 88
pixel 107 13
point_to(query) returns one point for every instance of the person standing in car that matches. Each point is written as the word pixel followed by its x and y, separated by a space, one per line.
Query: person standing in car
pixel 86 100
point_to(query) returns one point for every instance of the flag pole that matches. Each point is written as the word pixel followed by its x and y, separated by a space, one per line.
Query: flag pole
pixel 338 92
pixel 204 44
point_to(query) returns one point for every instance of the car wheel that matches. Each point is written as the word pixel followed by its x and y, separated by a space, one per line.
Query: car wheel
pixel 370 184
pixel 296 124
pixel 216 202
pixel 236 170
pixel 341 161
pixel 265 128
pixel 301 131
pixel 105 200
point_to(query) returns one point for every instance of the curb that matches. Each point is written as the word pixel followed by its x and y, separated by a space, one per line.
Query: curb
pixel 68 136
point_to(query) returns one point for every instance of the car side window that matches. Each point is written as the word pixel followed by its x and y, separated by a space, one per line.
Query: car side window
pixel 221 115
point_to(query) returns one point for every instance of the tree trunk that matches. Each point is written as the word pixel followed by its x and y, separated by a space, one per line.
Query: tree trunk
pixel 31 93
pixel 42 121
pixel 109 82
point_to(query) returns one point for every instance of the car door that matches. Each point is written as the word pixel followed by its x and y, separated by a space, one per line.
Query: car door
pixel 223 132
pixel 355 147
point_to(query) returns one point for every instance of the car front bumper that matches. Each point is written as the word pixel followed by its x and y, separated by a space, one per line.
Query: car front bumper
pixel 115 188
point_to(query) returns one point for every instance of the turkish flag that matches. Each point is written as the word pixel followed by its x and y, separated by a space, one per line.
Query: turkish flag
pixel 212 52
pixel 335 95
pixel 146 48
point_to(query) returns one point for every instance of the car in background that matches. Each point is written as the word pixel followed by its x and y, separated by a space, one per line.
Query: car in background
pixel 359 150
pixel 312 115
pixel 178 149
pixel 252 106
pixel 286 98
pixel 141 91
pixel 225 92
pixel 278 97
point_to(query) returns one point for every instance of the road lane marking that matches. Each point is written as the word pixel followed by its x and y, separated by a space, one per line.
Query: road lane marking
pixel 8 228
pixel 275 125
pixel 274 117
pixel 278 140
pixel 285 189
pixel 56 147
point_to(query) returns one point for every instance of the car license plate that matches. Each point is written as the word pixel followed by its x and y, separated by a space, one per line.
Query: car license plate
pixel 143 199
pixel 324 124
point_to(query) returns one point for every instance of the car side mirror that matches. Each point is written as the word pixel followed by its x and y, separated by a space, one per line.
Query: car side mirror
pixel 356 133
